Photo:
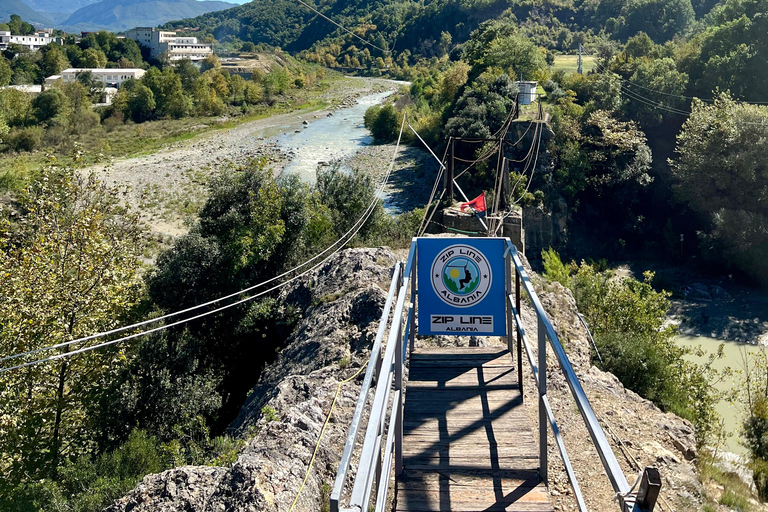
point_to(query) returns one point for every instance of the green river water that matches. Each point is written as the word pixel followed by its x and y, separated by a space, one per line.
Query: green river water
pixel 735 351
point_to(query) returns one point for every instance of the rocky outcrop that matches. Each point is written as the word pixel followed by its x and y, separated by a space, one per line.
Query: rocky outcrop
pixel 340 304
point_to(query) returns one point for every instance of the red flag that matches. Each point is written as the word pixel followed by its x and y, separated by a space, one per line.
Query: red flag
pixel 477 204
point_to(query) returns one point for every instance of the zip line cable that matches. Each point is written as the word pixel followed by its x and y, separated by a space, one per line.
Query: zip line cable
pixel 650 89
pixel 358 225
pixel 187 310
pixel 340 26
pixel 322 433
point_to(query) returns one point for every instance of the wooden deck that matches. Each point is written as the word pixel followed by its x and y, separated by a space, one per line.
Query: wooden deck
pixel 468 444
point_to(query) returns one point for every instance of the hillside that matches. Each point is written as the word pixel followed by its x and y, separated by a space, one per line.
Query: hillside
pixel 8 7
pixel 293 27
pixel 120 15
pixel 57 10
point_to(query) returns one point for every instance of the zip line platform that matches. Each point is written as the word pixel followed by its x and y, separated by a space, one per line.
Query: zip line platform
pixel 455 434
pixel 467 441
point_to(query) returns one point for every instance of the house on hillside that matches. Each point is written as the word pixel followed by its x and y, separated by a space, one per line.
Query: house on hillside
pixel 32 42
pixel 110 77
pixel 162 42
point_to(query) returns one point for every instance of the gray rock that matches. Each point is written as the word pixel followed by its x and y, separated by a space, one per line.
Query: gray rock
pixel 340 304
pixel 698 291
pixel 718 293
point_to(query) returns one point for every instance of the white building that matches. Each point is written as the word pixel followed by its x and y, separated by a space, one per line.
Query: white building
pixel 32 42
pixel 527 92
pixel 110 77
pixel 161 42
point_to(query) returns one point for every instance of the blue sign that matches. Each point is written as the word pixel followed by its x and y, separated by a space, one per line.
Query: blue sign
pixel 461 286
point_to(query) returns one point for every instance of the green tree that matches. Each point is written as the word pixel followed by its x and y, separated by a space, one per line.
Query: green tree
pixel 5 72
pixel 93 58
pixel 54 60
pixel 660 82
pixel 51 106
pixel 136 101
pixel 276 82
pixel 69 270
pixel 169 96
pixel 19 27
pixel 722 175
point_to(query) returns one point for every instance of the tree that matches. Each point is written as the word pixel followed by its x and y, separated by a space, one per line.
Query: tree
pixel 5 72
pixel 660 82
pixel 382 122
pixel 19 27
pixel 662 20
pixel 276 82
pixel 50 106
pixel 170 99
pixel 136 101
pixel 69 270
pixel 54 60
pixel 722 175
pixel 93 58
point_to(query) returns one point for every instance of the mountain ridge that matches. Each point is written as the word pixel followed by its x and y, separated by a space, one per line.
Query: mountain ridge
pixel 28 14
pixel 119 15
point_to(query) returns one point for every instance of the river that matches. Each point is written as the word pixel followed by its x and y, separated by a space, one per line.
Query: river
pixel 331 138
pixel 734 354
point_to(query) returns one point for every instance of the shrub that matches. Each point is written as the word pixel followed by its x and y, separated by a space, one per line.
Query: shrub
pixel 626 317
pixel 24 139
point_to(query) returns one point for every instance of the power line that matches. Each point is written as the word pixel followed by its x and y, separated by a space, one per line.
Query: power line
pixel 187 310
pixel 356 228
pixel 340 26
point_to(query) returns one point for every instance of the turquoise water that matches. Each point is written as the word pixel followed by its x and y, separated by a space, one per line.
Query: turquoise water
pixel 735 354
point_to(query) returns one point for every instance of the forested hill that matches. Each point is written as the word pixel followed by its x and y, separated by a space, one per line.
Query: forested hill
pixel 426 28
pixel 410 24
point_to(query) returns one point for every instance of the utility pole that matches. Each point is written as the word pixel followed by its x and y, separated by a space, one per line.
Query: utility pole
pixel 579 71
pixel 448 184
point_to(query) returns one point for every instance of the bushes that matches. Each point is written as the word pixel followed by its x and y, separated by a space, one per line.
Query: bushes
pixel 24 139
pixel 626 317
pixel 382 122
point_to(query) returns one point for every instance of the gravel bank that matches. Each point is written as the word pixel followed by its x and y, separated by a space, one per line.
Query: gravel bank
pixel 413 175
pixel 170 186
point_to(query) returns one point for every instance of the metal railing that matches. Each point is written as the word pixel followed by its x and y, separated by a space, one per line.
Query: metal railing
pixel 386 411
pixel 375 463
pixel 650 483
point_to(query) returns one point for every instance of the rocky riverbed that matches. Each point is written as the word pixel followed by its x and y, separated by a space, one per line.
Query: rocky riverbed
pixel 170 186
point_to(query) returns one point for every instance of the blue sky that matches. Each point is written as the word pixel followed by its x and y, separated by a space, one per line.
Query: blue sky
pixel 233 1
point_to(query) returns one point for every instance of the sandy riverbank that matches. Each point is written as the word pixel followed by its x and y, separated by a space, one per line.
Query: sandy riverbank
pixel 169 186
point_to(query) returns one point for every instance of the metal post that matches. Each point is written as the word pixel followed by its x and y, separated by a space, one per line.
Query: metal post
pixel 449 172
pixel 519 338
pixel 579 71
pixel 511 325
pixel 412 340
pixel 542 408
pixel 397 407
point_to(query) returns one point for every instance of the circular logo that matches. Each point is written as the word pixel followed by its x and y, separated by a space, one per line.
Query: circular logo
pixel 461 276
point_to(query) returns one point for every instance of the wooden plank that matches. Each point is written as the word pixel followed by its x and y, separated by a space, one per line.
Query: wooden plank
pixel 416 479
pixel 455 354
pixel 468 443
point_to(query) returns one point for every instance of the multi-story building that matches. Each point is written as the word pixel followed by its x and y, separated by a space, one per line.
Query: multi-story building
pixel 110 77
pixel 33 42
pixel 162 42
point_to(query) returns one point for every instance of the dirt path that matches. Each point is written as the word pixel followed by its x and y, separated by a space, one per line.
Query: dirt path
pixel 169 186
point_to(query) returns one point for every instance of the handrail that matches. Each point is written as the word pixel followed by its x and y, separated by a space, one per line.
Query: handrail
pixel 382 447
pixel 611 465
pixel 373 367
pixel 645 497
pixel 375 462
